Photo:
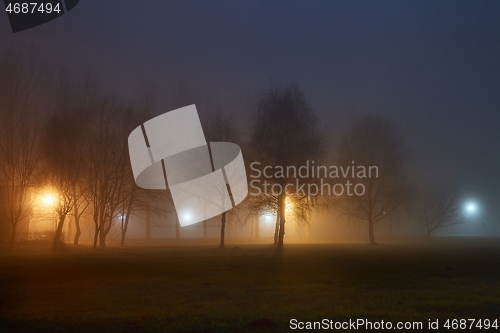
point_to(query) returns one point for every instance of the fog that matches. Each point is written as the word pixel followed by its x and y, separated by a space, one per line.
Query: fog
pixel 249 166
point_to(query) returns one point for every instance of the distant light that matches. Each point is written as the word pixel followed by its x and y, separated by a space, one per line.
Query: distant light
pixel 186 216
pixel 267 217
pixel 48 200
pixel 471 208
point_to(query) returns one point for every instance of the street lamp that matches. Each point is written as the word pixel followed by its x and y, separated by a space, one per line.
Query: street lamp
pixel 472 209
pixel 288 206
pixel 48 200
pixel 267 217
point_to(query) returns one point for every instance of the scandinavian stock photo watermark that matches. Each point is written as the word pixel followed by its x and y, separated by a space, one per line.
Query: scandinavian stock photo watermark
pixel 310 179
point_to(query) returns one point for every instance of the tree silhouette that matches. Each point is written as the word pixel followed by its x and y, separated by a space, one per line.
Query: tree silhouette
pixel 22 72
pixel 284 133
pixel 438 208
pixel 373 142
pixel 222 128
pixel 61 163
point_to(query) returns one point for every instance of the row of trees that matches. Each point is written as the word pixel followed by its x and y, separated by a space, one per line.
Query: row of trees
pixel 285 133
pixel 68 135
pixel 21 89
pixel 62 132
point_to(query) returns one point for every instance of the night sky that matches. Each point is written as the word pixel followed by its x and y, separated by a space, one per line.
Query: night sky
pixel 431 66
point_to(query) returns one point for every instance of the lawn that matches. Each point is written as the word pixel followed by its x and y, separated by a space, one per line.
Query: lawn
pixel 166 287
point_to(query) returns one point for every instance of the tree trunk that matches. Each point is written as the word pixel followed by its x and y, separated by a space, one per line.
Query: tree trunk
pixel 96 234
pixel 277 228
pixel 125 225
pixel 105 228
pixel 57 237
pixel 101 234
pixel 77 224
pixel 371 233
pixel 222 230
pixel 124 230
pixel 102 239
pixel 281 234
pixel 78 232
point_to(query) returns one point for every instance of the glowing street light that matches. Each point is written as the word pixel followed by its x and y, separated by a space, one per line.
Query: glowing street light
pixel 471 208
pixel 48 200
pixel 288 205
pixel 267 217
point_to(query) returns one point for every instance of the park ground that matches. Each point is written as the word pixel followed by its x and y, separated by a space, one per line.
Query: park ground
pixel 188 286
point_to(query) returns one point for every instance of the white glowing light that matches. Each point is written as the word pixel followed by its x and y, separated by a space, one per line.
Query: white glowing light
pixel 267 217
pixel 48 200
pixel 471 208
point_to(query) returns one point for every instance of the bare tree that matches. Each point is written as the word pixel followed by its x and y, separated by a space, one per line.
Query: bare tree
pixel 133 199
pixel 438 208
pixel 62 148
pixel 61 167
pixel 222 128
pixel 105 147
pixel 80 206
pixel 264 204
pixel 86 95
pixel 284 134
pixel 21 73
pixel 374 145
pixel 182 95
pixel 109 181
pixel 129 195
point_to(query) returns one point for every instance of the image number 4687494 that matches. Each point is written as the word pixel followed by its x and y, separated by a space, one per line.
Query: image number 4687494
pixel 26 15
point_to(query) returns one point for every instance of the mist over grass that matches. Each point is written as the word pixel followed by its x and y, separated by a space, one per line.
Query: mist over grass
pixel 185 286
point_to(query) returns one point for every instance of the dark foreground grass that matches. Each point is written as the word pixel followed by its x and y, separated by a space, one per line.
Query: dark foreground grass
pixel 247 288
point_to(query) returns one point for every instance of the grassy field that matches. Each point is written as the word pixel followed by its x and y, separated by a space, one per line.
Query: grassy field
pixel 164 287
